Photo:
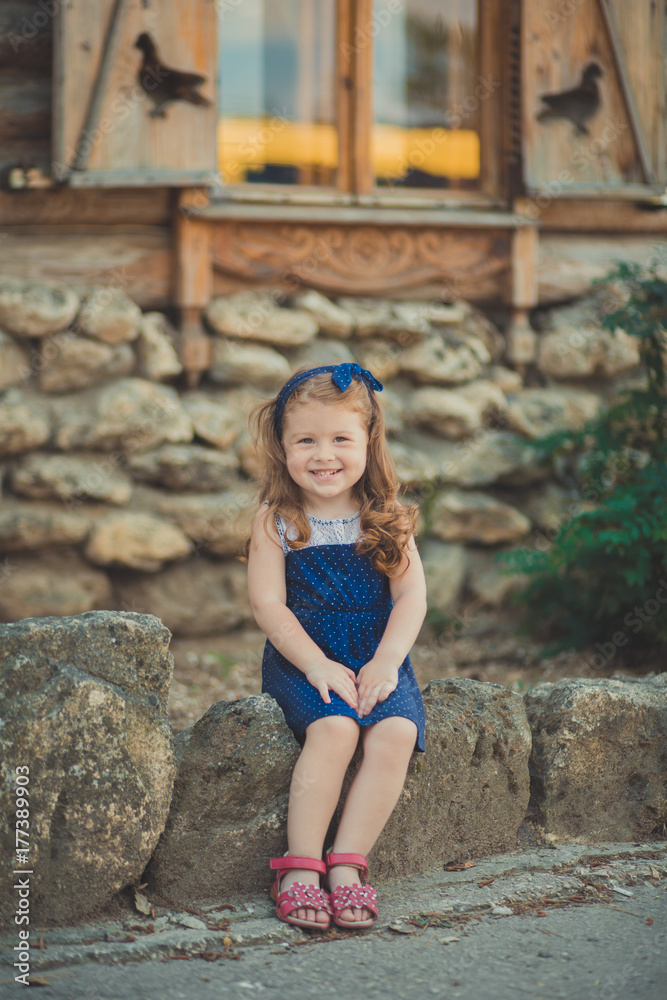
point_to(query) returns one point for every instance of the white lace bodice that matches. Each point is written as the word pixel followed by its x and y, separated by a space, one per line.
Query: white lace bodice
pixel 339 531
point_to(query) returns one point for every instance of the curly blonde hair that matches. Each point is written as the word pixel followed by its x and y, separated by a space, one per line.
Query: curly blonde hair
pixel 386 525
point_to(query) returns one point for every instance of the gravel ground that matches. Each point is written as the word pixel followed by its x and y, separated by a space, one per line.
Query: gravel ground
pixel 558 920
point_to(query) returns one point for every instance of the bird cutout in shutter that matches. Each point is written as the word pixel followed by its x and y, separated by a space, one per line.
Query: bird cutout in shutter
pixel 163 84
pixel 577 105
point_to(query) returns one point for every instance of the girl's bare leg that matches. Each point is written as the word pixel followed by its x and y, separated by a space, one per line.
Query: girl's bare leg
pixel 314 792
pixel 388 746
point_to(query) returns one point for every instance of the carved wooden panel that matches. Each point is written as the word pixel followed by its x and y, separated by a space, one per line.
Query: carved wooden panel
pixel 364 260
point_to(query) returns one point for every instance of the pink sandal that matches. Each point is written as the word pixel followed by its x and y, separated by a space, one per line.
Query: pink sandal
pixel 299 895
pixel 346 896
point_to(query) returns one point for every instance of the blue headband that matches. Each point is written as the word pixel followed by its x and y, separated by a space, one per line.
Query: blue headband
pixel 341 375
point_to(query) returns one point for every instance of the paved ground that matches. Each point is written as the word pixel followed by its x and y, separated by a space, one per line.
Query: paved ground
pixel 575 921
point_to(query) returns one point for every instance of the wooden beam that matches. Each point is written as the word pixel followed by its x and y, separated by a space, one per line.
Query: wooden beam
pixel 624 79
pixel 192 281
pixel 363 180
pixel 344 90
pixel 101 88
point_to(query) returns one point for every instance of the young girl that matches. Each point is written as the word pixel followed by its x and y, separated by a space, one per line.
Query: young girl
pixel 336 583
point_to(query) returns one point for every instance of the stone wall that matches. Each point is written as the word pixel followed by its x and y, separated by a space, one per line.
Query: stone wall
pixel 122 488
pixel 110 799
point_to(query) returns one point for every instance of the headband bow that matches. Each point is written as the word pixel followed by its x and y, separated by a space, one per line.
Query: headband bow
pixel 341 376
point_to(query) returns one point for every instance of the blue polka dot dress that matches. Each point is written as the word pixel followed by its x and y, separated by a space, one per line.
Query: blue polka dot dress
pixel 343 603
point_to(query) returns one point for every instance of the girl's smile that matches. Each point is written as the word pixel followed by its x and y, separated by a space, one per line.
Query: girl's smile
pixel 325 451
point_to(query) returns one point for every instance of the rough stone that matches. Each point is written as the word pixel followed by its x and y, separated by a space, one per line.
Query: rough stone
pixel 537 412
pixel 475 517
pixel 414 467
pixel 320 351
pixel 110 315
pixel 467 796
pixel 550 507
pixel 137 540
pixel 84 706
pixel 53 582
pixel 196 597
pixel 445 567
pixel 33 524
pixel 380 357
pixel 598 758
pixel 445 412
pixel 255 316
pixel 506 379
pixel 216 419
pixel 45 476
pixel 128 415
pixel 332 319
pixel 158 357
pixel 476 325
pixel 488 584
pixel 394 410
pixel 229 807
pixel 217 522
pixel 399 321
pixel 489 456
pixel 24 422
pixel 67 361
pixel 235 363
pixel 185 467
pixel 580 351
pixel 435 362
pixel 30 308
pixel 14 362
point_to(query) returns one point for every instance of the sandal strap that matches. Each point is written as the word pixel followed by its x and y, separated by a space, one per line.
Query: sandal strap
pixel 357 861
pixel 299 895
pixel 363 896
pixel 289 861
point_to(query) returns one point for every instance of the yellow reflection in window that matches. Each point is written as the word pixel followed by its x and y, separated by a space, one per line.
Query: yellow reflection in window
pixel 440 152
pixel 248 144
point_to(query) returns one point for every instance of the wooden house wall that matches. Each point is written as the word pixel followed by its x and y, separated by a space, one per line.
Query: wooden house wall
pixel 130 236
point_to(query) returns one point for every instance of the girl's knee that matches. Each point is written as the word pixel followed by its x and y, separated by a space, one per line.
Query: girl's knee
pixel 395 736
pixel 339 731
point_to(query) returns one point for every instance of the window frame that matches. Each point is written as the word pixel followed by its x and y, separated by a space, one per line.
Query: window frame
pixel 355 181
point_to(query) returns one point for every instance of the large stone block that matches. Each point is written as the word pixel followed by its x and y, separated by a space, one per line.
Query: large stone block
pixel 465 797
pixel 68 362
pixel 196 597
pixel 51 582
pixel 127 415
pixel 256 316
pixel 599 760
pixel 24 422
pixel 110 315
pixel 229 806
pixel 30 308
pixel 84 708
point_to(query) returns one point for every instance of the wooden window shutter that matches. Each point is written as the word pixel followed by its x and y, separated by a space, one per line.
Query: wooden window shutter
pixel 601 130
pixel 106 131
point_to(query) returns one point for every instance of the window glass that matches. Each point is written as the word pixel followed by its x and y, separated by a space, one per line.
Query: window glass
pixel 277 92
pixel 426 94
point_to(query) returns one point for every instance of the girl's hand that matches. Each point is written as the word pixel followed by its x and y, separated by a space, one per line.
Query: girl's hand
pixel 375 682
pixel 332 676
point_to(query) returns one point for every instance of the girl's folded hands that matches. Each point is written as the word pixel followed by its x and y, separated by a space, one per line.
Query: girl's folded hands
pixel 375 682
pixel 331 676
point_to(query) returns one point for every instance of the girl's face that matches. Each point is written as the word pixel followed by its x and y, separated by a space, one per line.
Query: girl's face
pixel 325 448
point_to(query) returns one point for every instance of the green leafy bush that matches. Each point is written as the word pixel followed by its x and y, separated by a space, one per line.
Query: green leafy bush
pixel 604 578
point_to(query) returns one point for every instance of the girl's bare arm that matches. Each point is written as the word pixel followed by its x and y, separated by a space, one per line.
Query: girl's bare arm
pixel 266 588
